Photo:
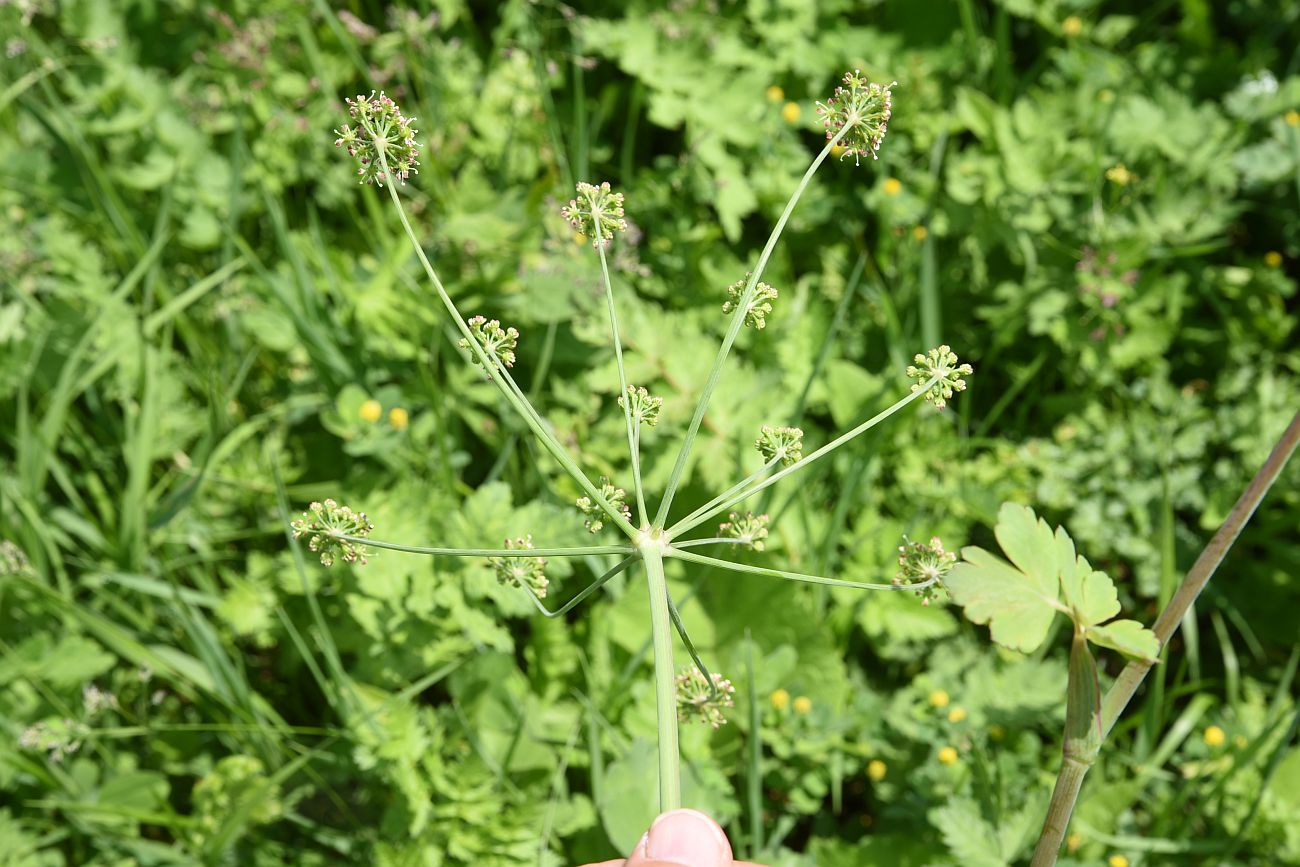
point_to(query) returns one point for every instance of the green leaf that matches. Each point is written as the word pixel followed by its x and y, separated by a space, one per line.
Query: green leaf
pixel 1128 637
pixel 1016 606
pixel 1090 594
pixel 976 841
pixel 1029 543
pixel 627 803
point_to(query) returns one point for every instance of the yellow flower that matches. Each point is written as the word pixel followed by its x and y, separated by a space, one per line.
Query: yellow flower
pixel 579 238
pixel 803 704
pixel 780 699
pixel 775 93
pixel 791 112
pixel 1214 736
pixel 399 418
pixel 947 756
pixel 957 714
pixel 371 410
pixel 893 186
pixel 1292 118
pixel 1072 26
pixel 920 233
pixel 1119 174
pixel 939 698
pixel 876 770
pixel 1117 861
pixel 1073 842
pixel 837 151
pixel 1273 259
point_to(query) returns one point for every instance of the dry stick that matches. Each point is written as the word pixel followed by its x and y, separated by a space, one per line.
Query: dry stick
pixel 1121 692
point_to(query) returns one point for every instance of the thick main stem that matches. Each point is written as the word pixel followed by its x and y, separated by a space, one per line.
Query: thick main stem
pixel 1070 781
pixel 1064 794
pixel 1121 692
pixel 670 784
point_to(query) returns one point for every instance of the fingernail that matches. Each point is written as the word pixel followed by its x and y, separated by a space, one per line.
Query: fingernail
pixel 689 838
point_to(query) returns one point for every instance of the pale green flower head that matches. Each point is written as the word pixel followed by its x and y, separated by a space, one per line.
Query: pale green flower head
pixel 497 342
pixel 325 524
pixel 940 362
pixel 613 495
pixel 780 443
pixel 864 108
pixel 921 563
pixel 381 127
pixel 597 212
pixel 521 571
pixel 644 406
pixel 697 699
pixel 760 302
pixel 749 529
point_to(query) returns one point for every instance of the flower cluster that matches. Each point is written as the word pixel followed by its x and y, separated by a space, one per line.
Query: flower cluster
pixel 497 342
pixel 940 363
pixel 749 530
pixel 94 699
pixel 861 107
pixel 918 563
pixel 595 514
pixel 59 738
pixel 596 212
pixel 381 129
pixel 12 560
pixel 760 302
pixel 522 571
pixel 645 408
pixel 327 524
pixel 696 697
pixel 1104 286
pixel 780 443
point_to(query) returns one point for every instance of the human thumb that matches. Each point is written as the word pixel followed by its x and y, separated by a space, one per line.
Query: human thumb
pixel 682 837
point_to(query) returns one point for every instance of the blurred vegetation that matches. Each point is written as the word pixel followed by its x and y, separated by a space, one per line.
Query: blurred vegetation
pixel 1094 202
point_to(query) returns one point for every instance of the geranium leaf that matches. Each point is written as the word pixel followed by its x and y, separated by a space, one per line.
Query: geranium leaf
pixel 1016 606
pixel 1090 594
pixel 1128 637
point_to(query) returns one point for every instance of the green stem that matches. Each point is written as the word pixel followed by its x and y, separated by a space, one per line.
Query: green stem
pixel 690 647
pixel 736 490
pixel 515 397
pixel 712 540
pixel 586 591
pixel 737 320
pixel 1073 771
pixel 682 526
pixel 789 576
pixel 489 552
pixel 633 442
pixel 670 785
pixel 1064 794
pixel 1121 692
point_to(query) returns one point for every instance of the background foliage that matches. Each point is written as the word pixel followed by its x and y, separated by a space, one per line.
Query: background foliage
pixel 1093 202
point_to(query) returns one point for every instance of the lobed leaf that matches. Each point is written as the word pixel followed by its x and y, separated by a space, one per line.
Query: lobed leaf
pixel 1018 607
pixel 1128 637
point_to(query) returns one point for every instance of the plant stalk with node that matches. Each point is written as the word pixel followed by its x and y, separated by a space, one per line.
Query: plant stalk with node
pixel 856 117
